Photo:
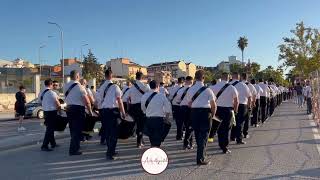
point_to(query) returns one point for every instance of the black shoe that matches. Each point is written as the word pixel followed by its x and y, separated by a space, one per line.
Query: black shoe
pixel 46 149
pixel 55 146
pixel 203 163
pixel 241 142
pixel 185 147
pixel 113 158
pixel 226 151
pixel 103 143
pixel 75 153
pixel 246 136
pixel 232 139
pixel 140 145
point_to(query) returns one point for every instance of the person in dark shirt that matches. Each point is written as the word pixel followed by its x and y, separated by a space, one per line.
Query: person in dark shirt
pixel 299 90
pixel 20 106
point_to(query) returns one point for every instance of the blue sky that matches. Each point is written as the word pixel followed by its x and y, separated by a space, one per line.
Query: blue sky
pixel 148 31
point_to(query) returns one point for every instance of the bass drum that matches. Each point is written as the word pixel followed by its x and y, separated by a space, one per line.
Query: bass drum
pixel 126 128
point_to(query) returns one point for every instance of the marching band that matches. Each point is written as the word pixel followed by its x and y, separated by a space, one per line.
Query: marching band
pixel 200 111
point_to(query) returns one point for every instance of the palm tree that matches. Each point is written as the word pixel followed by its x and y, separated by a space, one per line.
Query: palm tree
pixel 242 44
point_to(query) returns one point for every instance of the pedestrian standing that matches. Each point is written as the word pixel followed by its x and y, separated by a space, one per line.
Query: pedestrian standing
pixel 203 107
pixel 77 99
pixel 299 92
pixel 157 109
pixel 49 101
pixel 137 90
pixel 308 96
pixel 20 106
pixel 185 113
pixel 227 102
pixel 244 105
pixel 109 95
pixel 176 107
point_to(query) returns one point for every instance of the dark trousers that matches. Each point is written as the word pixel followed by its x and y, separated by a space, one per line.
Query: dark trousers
pixel 185 115
pixel 255 113
pixel 50 117
pixel 263 108
pixel 225 114
pixel 125 106
pixel 76 117
pixel 247 122
pixel 139 118
pixel 240 119
pixel 179 121
pixel 272 105
pixel 201 123
pixel 155 127
pixel 102 129
pixel 111 119
pixel 309 105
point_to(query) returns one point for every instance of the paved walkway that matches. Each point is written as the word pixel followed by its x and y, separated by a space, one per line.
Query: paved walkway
pixel 284 148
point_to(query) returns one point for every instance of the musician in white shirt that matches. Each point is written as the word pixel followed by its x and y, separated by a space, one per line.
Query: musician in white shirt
pixel 185 113
pixel 256 109
pixel 136 91
pixel 264 100
pixel 157 109
pixel 227 102
pixel 176 107
pixel 109 96
pixel 50 105
pixel 203 107
pixel 77 100
pixel 244 104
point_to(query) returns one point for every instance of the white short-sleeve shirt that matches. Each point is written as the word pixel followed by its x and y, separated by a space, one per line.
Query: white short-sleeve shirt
pixel 134 94
pixel 227 97
pixel 243 90
pixel 48 102
pixel 110 98
pixel 159 105
pixel 203 100
pixel 75 96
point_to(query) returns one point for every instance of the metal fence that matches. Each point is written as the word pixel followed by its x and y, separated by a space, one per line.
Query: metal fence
pixel 315 85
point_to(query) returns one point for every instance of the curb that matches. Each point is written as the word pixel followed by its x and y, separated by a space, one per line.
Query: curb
pixel 30 143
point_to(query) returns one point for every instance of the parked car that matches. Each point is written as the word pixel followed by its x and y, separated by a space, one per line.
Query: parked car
pixel 34 109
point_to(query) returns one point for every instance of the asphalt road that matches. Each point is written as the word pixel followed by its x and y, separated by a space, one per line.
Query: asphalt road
pixel 284 148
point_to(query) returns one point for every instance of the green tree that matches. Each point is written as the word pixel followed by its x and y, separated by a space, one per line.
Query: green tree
pixel 209 76
pixel 91 68
pixel 301 51
pixel 236 68
pixel 255 68
pixel 242 44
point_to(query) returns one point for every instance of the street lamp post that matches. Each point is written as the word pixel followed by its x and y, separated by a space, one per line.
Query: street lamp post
pixel 61 40
pixel 39 54
pixel 81 58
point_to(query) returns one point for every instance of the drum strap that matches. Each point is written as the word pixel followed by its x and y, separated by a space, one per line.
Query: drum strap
pixel 70 88
pixel 149 99
pixel 44 92
pixel 176 93
pixel 137 87
pixel 222 89
pixel 195 96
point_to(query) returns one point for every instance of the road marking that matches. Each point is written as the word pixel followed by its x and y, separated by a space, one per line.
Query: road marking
pixel 316 134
